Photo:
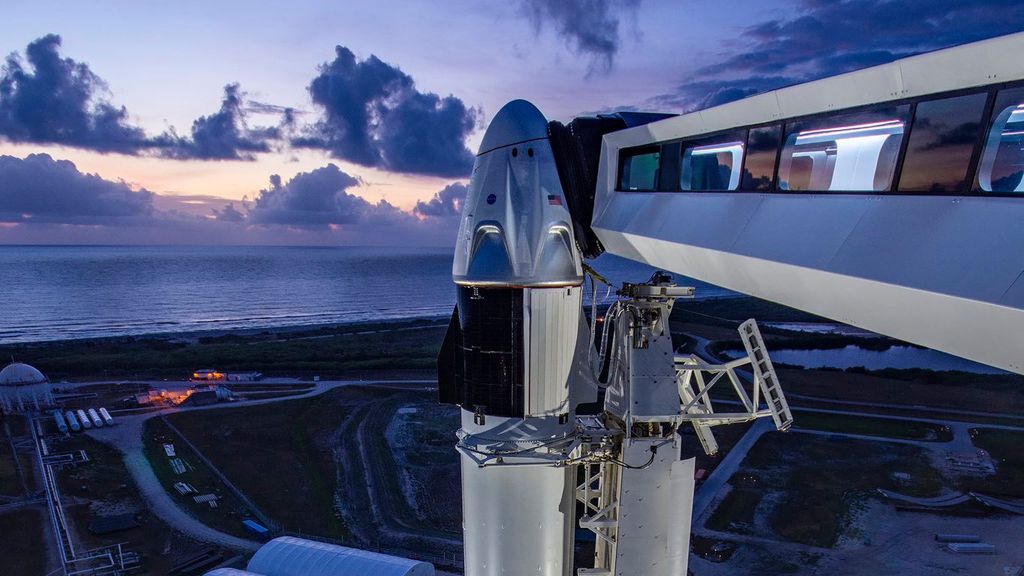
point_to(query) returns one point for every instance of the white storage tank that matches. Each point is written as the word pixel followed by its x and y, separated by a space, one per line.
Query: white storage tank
pixel 107 418
pixel 288 556
pixel 62 424
pixel 95 417
pixel 73 421
pixel 971 548
pixel 84 419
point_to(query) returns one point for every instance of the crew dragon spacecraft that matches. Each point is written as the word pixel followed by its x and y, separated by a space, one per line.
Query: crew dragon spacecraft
pixel 520 357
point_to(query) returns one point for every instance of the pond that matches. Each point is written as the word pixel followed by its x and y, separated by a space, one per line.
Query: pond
pixel 900 357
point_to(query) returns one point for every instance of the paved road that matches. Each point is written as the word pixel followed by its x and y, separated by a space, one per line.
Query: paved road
pixel 126 436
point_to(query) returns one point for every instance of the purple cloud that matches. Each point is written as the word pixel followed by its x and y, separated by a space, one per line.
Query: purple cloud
pixel 827 38
pixel 373 115
pixel 41 189
pixel 589 27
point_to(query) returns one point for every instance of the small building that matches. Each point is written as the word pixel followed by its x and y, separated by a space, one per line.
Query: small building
pixel 208 375
pixel 202 397
pixel 23 388
pixel 244 376
pixel 255 527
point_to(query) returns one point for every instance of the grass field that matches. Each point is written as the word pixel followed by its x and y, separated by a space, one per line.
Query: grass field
pixel 423 446
pixel 279 455
pixel 327 351
pixel 103 486
pixel 229 513
pixel 817 483
pixel 22 542
pixel 312 464
pixel 736 511
pixel 871 426
pixel 1006 447
pixel 10 481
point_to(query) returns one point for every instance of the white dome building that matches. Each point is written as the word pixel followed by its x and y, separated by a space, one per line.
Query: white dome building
pixel 288 556
pixel 23 388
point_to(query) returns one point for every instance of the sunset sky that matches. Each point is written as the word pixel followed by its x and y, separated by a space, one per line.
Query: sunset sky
pixel 307 122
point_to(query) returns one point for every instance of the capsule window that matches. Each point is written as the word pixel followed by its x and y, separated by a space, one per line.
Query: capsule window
pixel 844 153
pixel 639 169
pixel 1002 161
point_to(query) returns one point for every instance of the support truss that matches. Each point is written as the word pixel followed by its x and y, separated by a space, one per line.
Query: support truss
pixel 697 378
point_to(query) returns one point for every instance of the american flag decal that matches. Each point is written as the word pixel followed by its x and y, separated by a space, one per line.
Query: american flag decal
pixel 554 200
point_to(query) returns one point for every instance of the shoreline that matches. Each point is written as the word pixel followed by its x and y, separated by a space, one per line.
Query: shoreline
pixel 196 336
pixel 193 336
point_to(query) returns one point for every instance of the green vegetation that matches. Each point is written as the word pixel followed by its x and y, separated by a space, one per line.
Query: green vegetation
pixel 327 351
pixel 17 423
pixel 423 447
pixel 736 511
pixel 997 382
pixel 23 545
pixel 229 513
pixel 12 427
pixel 10 480
pixel 278 455
pixel 103 476
pixel 870 426
pixel 816 484
pixel 103 485
pixel 268 395
pixel 1005 448
pixel 329 452
pixel 790 340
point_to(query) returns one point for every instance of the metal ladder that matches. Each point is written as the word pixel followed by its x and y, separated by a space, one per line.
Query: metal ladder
pixel 764 375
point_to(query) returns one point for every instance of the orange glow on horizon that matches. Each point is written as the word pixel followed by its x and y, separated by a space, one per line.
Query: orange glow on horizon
pixel 235 180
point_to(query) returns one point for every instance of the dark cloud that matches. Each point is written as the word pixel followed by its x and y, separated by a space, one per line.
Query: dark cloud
pixel 41 189
pixel 589 27
pixel 961 135
pixel 255 107
pixel 373 115
pixel 43 200
pixel 831 37
pixel 224 134
pixel 50 99
pixel 444 204
pixel 707 93
pixel 229 214
pixel 47 99
pixel 318 199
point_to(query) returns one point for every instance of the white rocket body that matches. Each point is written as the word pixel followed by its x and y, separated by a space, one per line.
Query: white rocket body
pixel 508 358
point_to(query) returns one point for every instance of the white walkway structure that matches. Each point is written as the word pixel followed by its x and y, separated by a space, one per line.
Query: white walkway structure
pixel 889 198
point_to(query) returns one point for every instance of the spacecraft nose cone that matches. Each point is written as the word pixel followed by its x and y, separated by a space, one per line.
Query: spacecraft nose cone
pixel 518 121
pixel 516 229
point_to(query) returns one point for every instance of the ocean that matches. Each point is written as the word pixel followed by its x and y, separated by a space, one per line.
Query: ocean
pixel 66 292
